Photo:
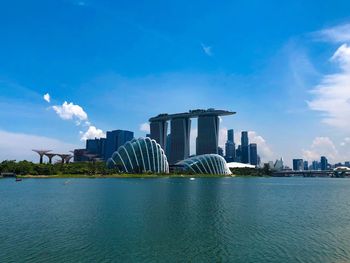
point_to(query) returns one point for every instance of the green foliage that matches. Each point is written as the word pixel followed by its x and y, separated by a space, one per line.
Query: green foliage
pixel 81 168
pixel 251 171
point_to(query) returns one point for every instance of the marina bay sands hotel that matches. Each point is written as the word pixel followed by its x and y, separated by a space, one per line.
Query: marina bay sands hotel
pixel 180 128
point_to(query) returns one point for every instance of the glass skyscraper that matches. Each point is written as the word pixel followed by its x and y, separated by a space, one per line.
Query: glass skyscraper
pixel 298 164
pixel 324 163
pixel 208 135
pixel 179 139
pixel 253 152
pixel 115 139
pixel 245 151
pixel 230 147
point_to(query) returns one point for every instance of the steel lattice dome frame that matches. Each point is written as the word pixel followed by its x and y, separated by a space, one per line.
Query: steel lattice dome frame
pixel 139 156
pixel 205 164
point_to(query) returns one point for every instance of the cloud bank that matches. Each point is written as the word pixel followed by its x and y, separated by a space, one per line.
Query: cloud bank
pixel 332 95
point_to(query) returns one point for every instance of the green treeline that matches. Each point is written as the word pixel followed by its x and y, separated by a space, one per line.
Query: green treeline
pixel 30 168
pixel 95 168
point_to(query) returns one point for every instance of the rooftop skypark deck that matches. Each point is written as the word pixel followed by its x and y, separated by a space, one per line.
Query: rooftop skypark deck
pixel 191 114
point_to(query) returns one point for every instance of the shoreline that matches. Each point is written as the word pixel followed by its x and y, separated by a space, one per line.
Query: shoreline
pixel 124 176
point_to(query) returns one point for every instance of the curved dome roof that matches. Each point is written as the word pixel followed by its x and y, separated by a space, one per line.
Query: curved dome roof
pixel 205 164
pixel 139 155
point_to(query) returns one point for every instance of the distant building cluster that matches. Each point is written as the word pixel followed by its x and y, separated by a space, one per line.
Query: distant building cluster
pixel 244 153
pixel 321 165
pixel 103 148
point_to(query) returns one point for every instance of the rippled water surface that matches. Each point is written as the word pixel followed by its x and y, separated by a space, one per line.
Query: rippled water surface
pixel 175 220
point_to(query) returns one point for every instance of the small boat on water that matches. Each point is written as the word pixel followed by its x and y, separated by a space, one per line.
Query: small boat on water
pixel 18 179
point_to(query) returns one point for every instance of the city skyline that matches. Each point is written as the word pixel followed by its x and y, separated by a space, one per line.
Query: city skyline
pixel 116 67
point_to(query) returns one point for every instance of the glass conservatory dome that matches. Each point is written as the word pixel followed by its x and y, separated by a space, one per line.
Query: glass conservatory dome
pixel 139 156
pixel 205 164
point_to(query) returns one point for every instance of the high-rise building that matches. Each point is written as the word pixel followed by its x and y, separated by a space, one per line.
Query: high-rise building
pixel 230 135
pixel 298 164
pixel 253 154
pixel 114 140
pixel 306 165
pixel 180 126
pixel 159 131
pixel 230 147
pixel 315 165
pixel 220 151
pixel 245 155
pixel 230 151
pixel 238 154
pixel 324 163
pixel 208 134
pixel 180 139
pixel 96 146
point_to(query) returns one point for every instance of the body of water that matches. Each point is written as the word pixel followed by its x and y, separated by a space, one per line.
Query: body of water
pixel 175 220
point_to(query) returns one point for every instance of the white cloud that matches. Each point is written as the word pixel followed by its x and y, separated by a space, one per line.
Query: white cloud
pixel 144 127
pixel 207 50
pixel 92 133
pixel 332 95
pixel 321 146
pixel 222 137
pixel 264 149
pixel 18 146
pixel 69 111
pixel 47 97
pixel 340 33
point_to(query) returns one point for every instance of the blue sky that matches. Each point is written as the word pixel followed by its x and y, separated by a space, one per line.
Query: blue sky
pixel 283 68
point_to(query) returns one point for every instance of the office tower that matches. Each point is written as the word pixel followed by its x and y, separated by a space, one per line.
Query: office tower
pixel 347 164
pixel 298 164
pixel 180 139
pixel 315 165
pixel 324 163
pixel 306 165
pixel 245 155
pixel 238 154
pixel 230 135
pixel 220 151
pixel 230 151
pixel 114 140
pixel 253 152
pixel 259 160
pixel 96 146
pixel 208 134
pixel 230 147
pixel 159 131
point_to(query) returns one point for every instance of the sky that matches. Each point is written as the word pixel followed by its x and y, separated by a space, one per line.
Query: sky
pixel 72 70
